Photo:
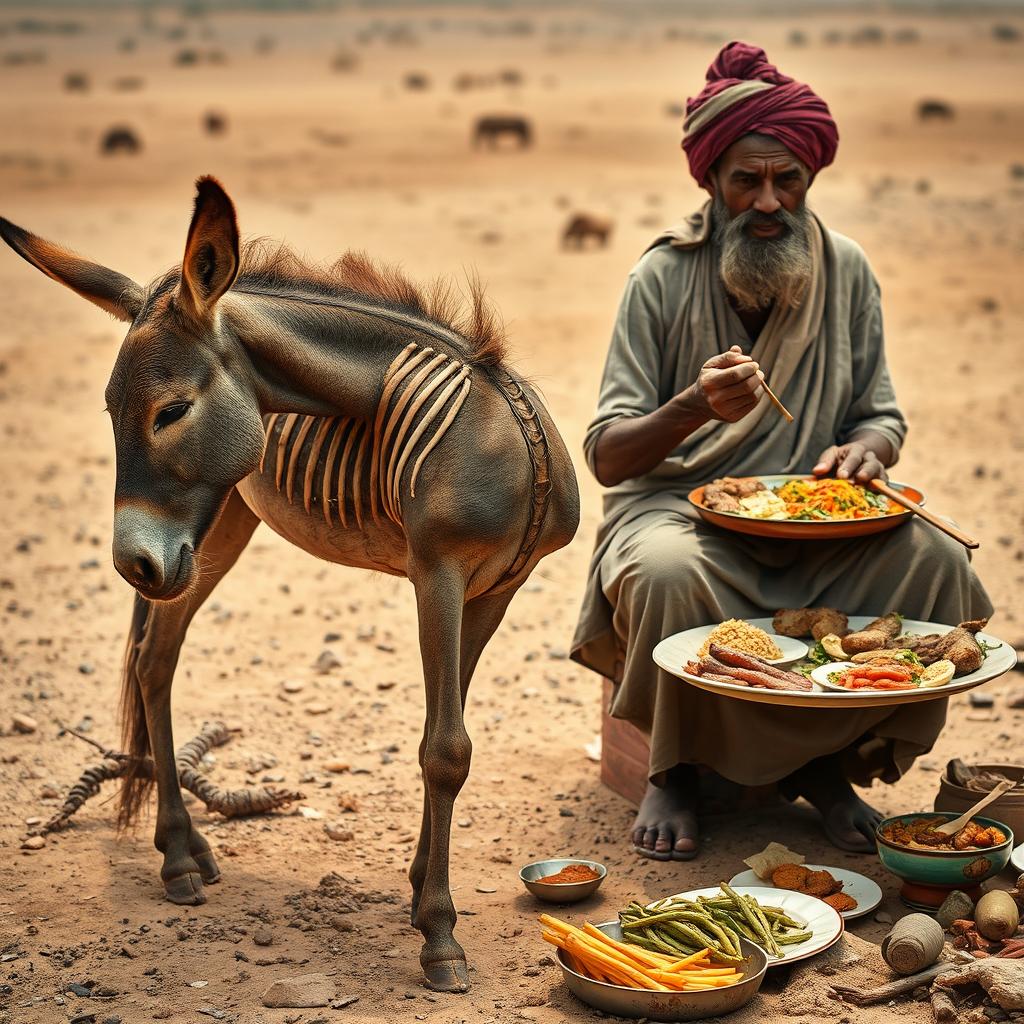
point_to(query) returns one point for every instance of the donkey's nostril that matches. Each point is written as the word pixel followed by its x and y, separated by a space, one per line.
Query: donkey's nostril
pixel 145 571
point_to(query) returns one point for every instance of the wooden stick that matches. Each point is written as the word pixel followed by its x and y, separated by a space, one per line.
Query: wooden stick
pixel 775 401
pixel 929 517
pixel 869 996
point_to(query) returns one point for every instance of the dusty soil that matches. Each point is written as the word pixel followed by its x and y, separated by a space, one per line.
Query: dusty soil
pixel 331 159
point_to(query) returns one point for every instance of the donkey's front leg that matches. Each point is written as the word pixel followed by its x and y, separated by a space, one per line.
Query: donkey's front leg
pixel 440 593
pixel 158 630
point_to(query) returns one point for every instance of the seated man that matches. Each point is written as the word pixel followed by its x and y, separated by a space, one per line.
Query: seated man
pixel 751 285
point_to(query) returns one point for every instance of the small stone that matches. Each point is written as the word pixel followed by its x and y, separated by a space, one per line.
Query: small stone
pixel 339 834
pixel 292 686
pixel 198 984
pixel 49 791
pixel 212 1011
pixel 995 1013
pixel 1016 699
pixel 393 954
pixel 83 991
pixel 23 724
pixel 34 843
pixel 263 937
pixel 957 906
pixel 386 684
pixel 486 888
pixel 884 917
pixel 465 822
pixel 981 700
pixel 337 767
pixel 317 709
pixel 327 662
pixel 340 1004
pixel 306 990
pixel 311 812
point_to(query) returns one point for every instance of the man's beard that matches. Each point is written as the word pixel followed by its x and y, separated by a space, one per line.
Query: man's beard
pixel 759 271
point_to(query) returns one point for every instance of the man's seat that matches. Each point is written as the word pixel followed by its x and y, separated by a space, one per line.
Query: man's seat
pixel 625 756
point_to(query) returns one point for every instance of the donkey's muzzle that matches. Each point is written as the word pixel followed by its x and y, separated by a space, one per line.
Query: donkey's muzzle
pixel 157 565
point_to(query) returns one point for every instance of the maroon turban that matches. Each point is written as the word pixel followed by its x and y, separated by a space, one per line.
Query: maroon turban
pixel 782 108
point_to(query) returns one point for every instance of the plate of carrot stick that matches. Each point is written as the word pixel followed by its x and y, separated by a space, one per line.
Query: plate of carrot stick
pixel 607 972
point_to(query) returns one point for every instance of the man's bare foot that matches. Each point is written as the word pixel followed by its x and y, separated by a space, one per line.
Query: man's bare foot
pixel 666 824
pixel 848 821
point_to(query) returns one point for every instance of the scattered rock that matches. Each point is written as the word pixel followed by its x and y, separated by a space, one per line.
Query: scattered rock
pixel 263 937
pixel 34 843
pixel 327 662
pixel 82 991
pixel 292 685
pixel 337 766
pixel 340 1004
pixel 23 724
pixel 981 700
pixel 884 917
pixel 486 888
pixel 304 991
pixel 339 834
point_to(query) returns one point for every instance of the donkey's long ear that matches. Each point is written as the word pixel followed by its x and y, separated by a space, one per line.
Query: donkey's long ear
pixel 211 250
pixel 117 294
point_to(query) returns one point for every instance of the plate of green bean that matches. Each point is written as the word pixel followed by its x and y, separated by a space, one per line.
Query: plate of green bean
pixel 787 925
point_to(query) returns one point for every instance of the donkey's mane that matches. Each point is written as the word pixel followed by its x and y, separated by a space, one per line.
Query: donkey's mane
pixel 273 268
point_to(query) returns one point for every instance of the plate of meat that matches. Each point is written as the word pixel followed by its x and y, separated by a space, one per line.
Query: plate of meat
pixel 798 507
pixel 976 657
pixel 848 892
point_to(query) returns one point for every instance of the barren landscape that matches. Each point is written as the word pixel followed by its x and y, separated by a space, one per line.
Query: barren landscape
pixel 328 147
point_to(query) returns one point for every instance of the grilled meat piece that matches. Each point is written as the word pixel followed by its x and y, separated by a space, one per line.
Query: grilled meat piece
pixel 840 901
pixel 722 495
pixel 790 876
pixel 818 622
pixel 875 635
pixel 821 884
pixel 742 660
pixel 828 620
pixel 959 646
pixel 794 622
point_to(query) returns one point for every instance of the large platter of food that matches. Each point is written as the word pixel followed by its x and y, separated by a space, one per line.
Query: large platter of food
pixel 794 507
pixel 852 661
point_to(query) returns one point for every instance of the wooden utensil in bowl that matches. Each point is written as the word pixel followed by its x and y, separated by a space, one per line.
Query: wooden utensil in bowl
pixel 954 826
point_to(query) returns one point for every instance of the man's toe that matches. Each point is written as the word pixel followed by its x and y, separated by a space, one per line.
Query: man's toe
pixel 650 838
pixel 664 841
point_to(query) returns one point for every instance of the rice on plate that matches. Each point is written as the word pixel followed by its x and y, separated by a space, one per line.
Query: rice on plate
pixel 744 637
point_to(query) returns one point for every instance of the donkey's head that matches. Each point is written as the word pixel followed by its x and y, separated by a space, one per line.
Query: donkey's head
pixel 181 397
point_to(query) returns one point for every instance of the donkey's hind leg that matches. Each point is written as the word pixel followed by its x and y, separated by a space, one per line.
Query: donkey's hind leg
pixel 159 633
pixel 480 618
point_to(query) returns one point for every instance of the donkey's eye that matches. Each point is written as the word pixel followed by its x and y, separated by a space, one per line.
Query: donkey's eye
pixel 173 413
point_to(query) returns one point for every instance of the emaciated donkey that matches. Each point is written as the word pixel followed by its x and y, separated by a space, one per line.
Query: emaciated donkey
pixel 356 417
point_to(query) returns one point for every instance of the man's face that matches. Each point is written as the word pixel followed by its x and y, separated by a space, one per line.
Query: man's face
pixel 761 223
pixel 758 173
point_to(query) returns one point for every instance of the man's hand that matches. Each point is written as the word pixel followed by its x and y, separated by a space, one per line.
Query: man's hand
pixel 853 459
pixel 729 385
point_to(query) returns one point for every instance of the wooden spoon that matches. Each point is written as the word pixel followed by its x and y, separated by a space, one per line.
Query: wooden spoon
pixel 929 517
pixel 954 826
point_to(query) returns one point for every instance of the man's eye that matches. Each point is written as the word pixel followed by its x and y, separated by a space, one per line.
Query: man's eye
pixel 173 413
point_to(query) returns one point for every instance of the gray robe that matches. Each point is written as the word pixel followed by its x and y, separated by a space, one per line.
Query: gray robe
pixel 658 569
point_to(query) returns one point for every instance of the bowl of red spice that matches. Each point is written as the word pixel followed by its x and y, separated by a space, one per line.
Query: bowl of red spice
pixel 564 880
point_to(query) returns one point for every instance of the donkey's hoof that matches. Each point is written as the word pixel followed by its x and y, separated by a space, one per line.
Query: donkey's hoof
pixel 185 890
pixel 208 870
pixel 447 976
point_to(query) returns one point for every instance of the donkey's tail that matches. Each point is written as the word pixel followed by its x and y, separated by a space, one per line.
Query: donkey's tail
pixel 138 779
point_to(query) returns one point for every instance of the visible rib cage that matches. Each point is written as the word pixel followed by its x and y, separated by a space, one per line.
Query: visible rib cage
pixel 347 468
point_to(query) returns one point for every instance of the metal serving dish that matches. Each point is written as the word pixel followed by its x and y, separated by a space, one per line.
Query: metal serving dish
pixel 668 1006
pixel 569 892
